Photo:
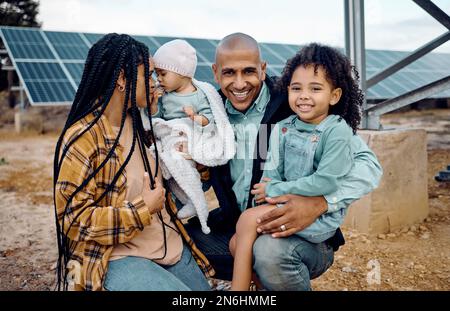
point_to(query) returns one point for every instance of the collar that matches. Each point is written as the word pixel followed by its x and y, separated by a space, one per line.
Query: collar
pixel 303 126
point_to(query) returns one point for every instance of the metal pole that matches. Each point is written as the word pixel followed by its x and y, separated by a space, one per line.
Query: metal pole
pixel 22 100
pixel 356 51
pixel 347 28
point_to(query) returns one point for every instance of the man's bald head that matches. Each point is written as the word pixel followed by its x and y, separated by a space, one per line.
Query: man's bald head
pixel 238 42
pixel 239 70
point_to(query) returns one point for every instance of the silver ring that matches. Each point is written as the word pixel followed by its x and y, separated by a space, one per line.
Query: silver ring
pixel 280 205
pixel 283 228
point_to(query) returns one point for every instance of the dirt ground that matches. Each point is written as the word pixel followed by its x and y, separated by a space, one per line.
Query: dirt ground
pixel 415 258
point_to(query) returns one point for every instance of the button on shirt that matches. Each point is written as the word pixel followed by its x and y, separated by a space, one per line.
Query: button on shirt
pixel 246 126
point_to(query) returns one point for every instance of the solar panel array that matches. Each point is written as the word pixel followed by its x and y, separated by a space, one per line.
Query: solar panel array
pixel 50 63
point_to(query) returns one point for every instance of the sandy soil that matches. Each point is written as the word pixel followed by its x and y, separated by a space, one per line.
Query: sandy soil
pixel 415 258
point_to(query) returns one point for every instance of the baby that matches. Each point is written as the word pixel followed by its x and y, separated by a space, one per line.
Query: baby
pixel 191 125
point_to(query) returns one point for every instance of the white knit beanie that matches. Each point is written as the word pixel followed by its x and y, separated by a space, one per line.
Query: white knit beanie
pixel 176 56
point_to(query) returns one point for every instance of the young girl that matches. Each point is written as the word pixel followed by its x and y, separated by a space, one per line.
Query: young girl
pixel 309 151
pixel 191 126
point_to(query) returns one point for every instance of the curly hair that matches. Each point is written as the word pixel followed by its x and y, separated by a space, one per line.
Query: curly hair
pixel 338 71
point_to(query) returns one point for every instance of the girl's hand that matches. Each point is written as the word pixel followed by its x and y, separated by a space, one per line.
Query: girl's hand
pixel 154 199
pixel 259 191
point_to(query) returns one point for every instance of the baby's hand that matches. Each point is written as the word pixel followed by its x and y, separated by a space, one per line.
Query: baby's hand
pixel 259 191
pixel 189 111
pixel 183 148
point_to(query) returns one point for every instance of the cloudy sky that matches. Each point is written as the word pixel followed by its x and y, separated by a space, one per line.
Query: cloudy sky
pixel 394 25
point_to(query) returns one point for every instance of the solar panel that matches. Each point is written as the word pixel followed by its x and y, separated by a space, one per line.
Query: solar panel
pixel 206 51
pixel 152 45
pixel 93 37
pixel 46 82
pixel 26 43
pixel 75 70
pixel 283 51
pixel 205 73
pixel 162 40
pixel 68 45
pixel 50 63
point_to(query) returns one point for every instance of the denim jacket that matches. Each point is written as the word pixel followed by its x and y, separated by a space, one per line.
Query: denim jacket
pixel 311 160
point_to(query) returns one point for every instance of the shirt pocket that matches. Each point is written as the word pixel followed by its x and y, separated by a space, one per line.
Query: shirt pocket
pixel 296 156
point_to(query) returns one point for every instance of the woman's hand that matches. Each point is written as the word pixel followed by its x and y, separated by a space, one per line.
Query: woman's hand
pixel 154 199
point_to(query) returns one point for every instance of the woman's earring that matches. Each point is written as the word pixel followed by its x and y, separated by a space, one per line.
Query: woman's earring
pixel 121 88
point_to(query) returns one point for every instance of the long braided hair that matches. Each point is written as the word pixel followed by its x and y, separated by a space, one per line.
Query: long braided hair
pixel 106 59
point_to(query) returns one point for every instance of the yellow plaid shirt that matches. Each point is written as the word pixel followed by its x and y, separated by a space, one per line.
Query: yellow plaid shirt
pixel 114 220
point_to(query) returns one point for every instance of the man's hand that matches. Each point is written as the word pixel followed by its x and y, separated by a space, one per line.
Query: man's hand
pixel 259 191
pixel 297 213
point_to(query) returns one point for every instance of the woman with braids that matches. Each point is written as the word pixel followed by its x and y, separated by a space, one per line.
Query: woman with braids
pixel 310 151
pixel 113 228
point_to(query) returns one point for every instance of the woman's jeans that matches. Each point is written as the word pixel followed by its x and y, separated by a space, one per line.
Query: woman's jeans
pixel 141 274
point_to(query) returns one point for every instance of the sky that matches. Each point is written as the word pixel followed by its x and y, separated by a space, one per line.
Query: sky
pixel 394 25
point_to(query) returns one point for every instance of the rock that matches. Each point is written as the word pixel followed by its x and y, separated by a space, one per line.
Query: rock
pixel 413 228
pixel 423 228
pixel 428 219
pixel 349 269
pixel 425 236
pixel 419 267
pixel 391 235
pixel 410 233
pixel 381 236
pixel 404 230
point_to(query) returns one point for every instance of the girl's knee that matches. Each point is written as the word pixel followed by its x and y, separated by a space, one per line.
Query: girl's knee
pixel 247 221
pixel 232 245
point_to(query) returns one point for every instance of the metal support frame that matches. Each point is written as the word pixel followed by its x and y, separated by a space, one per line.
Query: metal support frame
pixel 355 44
pixel 21 97
pixel 408 59
pixel 355 49
pixel 410 97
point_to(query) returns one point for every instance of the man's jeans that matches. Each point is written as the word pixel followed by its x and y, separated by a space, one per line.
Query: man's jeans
pixel 141 274
pixel 289 263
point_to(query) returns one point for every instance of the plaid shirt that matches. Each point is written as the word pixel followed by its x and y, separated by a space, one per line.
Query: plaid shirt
pixel 114 220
